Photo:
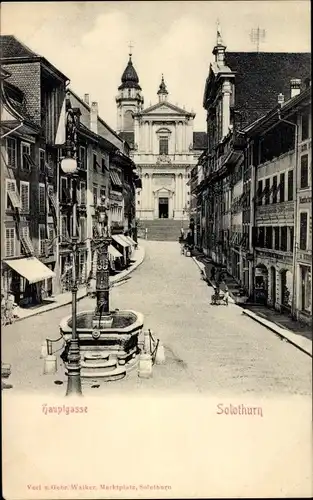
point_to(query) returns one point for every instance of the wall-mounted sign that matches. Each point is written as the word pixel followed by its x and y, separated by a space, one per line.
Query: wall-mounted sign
pixel 116 196
pixel 305 256
pixel 275 256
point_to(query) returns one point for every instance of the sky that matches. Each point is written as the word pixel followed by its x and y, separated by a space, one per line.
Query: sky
pixel 89 42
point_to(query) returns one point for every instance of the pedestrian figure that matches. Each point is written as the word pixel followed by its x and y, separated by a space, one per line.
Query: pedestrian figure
pixel 65 352
pixel 226 295
pixel 213 271
pixel 3 319
pixel 9 306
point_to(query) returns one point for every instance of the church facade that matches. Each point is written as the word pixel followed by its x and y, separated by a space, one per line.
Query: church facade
pixel 164 148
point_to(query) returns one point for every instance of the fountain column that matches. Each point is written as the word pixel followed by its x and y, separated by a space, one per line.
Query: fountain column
pixel 102 315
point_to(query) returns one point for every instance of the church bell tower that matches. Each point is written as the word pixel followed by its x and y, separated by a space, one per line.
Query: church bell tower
pixel 129 99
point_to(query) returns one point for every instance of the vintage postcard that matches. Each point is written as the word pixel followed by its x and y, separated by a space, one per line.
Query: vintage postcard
pixel 156 249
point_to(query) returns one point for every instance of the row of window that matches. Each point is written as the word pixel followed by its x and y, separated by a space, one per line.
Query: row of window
pixel 96 164
pixel 282 238
pixel 98 193
pixel 66 227
pixel 26 159
pixel 66 188
pixel 276 238
pixel 21 200
pixel 269 192
pixel 26 246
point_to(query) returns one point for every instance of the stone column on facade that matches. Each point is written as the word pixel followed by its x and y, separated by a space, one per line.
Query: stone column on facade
pixel 226 91
pixel 178 191
pixel 176 137
pixel 151 137
pixel 156 208
pixel 181 137
pixel 185 125
pixel 175 193
pixel 146 137
pixel 185 192
pixel 151 191
pixel 182 192
pixel 145 191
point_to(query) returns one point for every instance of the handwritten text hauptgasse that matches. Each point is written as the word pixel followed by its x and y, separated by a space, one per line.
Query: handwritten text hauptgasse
pixel 63 409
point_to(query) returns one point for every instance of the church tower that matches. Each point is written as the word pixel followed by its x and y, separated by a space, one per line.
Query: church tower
pixel 162 92
pixel 129 99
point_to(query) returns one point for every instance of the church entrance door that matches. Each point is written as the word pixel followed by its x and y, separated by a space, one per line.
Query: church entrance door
pixel 163 208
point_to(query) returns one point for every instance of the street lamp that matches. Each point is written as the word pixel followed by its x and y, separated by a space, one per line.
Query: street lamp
pixel 102 317
pixel 69 167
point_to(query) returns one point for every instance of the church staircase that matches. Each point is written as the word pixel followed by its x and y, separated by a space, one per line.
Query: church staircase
pixel 162 229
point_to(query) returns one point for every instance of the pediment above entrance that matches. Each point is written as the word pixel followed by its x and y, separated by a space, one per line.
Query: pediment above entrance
pixel 163 191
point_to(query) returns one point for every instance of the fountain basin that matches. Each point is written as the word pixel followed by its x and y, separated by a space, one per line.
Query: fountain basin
pixel 106 351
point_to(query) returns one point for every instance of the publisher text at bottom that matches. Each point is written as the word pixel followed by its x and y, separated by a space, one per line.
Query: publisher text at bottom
pixel 102 487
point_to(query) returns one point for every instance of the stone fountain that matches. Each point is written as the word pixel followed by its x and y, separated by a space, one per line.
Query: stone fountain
pixel 108 340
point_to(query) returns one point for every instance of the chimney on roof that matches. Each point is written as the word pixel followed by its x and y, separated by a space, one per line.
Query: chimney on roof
pixel 295 84
pixel 86 99
pixel 94 117
pixel 281 99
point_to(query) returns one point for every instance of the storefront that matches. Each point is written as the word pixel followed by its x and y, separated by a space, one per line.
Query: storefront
pixel 26 279
pixel 123 246
pixel 261 284
pixel 304 305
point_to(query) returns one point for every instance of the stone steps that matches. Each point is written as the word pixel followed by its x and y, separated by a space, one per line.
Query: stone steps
pixel 107 376
pixel 96 357
pixel 104 366
pixel 163 229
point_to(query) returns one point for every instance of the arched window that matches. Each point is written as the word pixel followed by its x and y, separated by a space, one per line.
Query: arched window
pixel 163 135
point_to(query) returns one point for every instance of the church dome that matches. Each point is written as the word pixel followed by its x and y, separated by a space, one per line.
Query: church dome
pixel 130 78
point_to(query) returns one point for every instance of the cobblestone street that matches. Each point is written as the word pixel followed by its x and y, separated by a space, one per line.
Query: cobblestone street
pixel 207 348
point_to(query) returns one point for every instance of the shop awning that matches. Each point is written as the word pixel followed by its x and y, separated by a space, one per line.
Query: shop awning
pixel 125 238
pixel 115 178
pixel 120 240
pixel 114 253
pixel 31 269
pixel 130 240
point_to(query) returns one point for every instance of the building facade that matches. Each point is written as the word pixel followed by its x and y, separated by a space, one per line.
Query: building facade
pixel 36 199
pixel 281 207
pixel 164 148
pixel 239 90
pixel 32 93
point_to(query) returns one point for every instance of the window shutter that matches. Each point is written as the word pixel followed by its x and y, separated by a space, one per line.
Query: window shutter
pixel 64 227
pixel 83 193
pixel 42 198
pixel 25 197
pixel 10 242
pixel 11 185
